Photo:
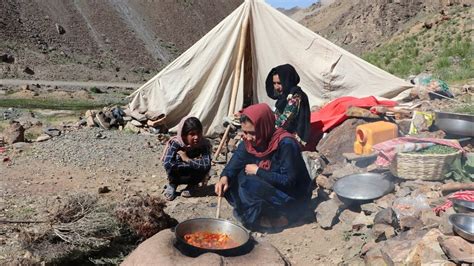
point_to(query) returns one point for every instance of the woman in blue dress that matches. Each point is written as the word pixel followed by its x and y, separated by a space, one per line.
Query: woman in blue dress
pixel 266 180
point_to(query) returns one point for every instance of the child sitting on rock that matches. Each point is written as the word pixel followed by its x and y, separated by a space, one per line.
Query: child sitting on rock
pixel 186 158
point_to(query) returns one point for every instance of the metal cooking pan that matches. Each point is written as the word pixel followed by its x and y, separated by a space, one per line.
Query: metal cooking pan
pixel 362 188
pixel 236 233
pixel 455 124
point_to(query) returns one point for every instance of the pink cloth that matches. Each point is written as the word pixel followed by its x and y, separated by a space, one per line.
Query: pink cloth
pixel 462 195
pixel 388 149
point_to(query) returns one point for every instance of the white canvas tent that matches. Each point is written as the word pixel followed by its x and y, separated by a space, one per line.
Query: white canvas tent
pixel 199 82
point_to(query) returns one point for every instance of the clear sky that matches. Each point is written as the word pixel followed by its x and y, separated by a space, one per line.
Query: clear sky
pixel 290 3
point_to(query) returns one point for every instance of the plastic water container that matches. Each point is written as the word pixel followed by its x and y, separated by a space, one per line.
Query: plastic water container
pixel 368 135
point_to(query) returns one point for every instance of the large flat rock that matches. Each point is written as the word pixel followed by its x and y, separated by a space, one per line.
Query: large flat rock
pixel 160 250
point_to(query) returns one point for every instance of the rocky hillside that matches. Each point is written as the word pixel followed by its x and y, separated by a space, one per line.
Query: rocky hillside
pixel 361 25
pixel 101 40
pixel 403 37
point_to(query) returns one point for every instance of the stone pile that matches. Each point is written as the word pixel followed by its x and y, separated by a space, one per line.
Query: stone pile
pixel 125 119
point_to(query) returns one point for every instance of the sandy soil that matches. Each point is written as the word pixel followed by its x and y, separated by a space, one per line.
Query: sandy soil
pixel 44 173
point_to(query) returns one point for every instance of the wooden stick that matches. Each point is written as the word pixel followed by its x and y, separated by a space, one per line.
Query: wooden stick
pixel 456 186
pixel 235 84
pixel 218 212
pixel 221 144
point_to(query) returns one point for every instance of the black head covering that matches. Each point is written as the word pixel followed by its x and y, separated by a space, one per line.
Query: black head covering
pixel 289 79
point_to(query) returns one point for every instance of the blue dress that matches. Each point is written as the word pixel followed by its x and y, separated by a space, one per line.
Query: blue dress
pixel 284 189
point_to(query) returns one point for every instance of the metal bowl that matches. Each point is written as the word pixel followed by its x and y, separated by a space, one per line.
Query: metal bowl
pixel 463 206
pixel 463 225
pixel 236 233
pixel 455 124
pixel 363 187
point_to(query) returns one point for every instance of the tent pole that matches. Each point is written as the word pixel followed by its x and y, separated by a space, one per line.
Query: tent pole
pixel 235 84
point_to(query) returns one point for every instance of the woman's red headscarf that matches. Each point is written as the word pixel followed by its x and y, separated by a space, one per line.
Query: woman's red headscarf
pixel 267 137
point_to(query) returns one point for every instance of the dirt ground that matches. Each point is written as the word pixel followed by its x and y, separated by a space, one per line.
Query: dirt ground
pixel 39 175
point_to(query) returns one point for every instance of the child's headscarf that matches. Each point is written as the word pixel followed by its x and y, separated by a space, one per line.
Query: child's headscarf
pixel 289 79
pixel 267 137
pixel 179 138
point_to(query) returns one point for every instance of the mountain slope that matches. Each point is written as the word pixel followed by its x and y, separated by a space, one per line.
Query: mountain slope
pixel 102 39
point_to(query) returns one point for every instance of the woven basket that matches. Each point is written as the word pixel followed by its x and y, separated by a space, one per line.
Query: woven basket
pixel 422 166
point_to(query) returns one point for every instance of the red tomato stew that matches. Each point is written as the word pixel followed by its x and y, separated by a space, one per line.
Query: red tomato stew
pixel 210 240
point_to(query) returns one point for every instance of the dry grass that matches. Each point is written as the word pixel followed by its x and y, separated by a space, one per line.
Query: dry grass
pixel 145 215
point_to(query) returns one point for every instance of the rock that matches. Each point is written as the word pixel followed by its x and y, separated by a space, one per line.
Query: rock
pixel 127 118
pixel 396 250
pixel 385 201
pixel 151 115
pixel 160 250
pixel 314 163
pixel 457 249
pixel 136 123
pixel 7 58
pixel 28 71
pixel 327 211
pixel 361 221
pixel 90 121
pixel 444 225
pixel 138 116
pixel 130 127
pixel 409 222
pixel 374 257
pixel 60 29
pixel 340 140
pixel 324 182
pixel 104 189
pixel 370 208
pixel 347 216
pixel 427 251
pixel 382 232
pixel 43 137
pixel 402 192
pixel 429 218
pixel 14 133
pixel 386 216
pixel 346 169
pixel 53 132
pixel 360 160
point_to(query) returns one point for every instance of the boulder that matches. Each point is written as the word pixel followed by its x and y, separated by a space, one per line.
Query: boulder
pixel 362 220
pixel 43 137
pixel 324 182
pixel 339 140
pixel 327 212
pixel 428 251
pixel 386 216
pixel 14 133
pixel 457 249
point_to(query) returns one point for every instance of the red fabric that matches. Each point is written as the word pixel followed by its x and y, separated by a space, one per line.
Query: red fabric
pixel 463 195
pixel 267 137
pixel 334 113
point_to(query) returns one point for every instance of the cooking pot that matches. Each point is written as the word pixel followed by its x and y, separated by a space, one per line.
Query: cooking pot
pixel 235 232
pixel 455 124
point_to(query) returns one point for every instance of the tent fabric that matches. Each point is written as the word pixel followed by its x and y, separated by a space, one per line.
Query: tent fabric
pixel 199 82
